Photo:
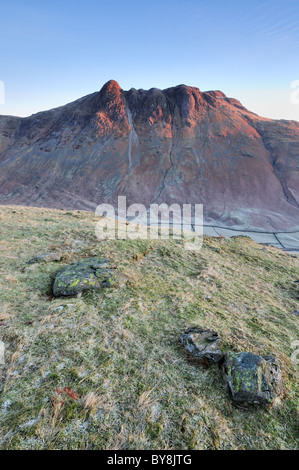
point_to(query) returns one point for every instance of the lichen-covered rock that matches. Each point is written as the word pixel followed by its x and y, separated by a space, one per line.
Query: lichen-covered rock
pixel 203 344
pixel 45 258
pixel 252 379
pixel 88 274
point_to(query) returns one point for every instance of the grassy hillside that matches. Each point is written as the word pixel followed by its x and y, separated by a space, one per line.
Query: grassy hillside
pixel 106 370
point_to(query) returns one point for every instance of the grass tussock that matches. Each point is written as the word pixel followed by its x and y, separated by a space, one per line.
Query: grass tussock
pixel 106 370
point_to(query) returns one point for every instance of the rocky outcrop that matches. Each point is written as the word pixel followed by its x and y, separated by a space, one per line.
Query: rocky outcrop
pixel 202 344
pixel 252 379
pixel 175 145
pixel 81 276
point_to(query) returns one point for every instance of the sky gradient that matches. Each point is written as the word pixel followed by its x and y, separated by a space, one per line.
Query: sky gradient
pixel 55 52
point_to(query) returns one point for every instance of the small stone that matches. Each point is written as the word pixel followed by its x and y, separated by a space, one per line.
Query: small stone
pixel 45 257
pixel 61 307
pixel 203 344
pixel 252 379
pixel 81 276
pixel 295 312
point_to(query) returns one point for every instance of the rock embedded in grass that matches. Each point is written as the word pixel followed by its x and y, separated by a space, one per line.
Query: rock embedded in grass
pixel 81 276
pixel 252 379
pixel 45 258
pixel 202 344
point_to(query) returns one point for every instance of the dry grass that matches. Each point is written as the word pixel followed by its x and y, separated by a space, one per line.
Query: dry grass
pixel 115 355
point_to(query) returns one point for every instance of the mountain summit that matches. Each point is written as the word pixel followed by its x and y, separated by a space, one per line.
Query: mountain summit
pixel 178 145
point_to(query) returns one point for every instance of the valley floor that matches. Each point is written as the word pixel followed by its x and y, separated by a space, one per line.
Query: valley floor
pixel 287 241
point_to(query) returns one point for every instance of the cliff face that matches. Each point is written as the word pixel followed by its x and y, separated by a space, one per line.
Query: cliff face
pixel 176 145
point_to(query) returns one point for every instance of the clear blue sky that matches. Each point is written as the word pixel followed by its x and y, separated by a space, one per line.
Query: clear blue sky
pixel 53 52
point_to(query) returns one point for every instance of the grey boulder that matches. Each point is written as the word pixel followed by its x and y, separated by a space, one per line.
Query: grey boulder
pixel 252 379
pixel 81 276
pixel 202 344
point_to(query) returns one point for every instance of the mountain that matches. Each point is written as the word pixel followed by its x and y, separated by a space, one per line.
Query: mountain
pixel 175 145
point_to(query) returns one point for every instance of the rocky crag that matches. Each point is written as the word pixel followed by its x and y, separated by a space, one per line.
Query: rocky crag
pixel 175 145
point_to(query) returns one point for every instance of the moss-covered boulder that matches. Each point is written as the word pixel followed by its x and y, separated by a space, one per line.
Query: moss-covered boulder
pixel 202 344
pixel 81 276
pixel 252 379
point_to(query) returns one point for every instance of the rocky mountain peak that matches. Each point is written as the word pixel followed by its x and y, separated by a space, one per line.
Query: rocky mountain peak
pixel 111 88
pixel 177 145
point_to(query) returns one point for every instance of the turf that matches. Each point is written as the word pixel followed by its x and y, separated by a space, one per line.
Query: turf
pixel 106 370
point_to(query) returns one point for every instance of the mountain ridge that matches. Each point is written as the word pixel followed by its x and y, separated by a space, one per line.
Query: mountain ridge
pixel 174 145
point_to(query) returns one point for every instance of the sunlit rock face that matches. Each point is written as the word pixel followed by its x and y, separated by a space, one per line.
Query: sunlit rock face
pixel 178 145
